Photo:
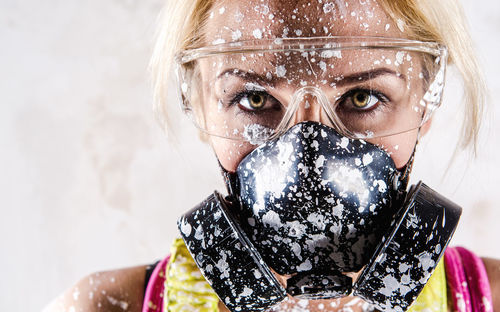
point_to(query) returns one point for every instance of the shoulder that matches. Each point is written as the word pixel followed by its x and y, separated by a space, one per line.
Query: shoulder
pixel 493 269
pixel 117 290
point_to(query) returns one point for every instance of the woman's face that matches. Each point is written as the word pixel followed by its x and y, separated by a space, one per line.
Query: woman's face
pixel 398 77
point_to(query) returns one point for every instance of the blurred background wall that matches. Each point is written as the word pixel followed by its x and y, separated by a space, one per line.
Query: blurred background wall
pixel 88 180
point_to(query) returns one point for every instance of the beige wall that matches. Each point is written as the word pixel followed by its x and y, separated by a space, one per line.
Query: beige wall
pixel 88 181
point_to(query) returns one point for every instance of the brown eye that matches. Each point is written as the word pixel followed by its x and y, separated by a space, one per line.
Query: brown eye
pixel 364 99
pixel 257 101
pixel 253 101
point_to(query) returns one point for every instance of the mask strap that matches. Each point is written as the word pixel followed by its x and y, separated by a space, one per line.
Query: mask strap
pixel 404 173
pixel 230 180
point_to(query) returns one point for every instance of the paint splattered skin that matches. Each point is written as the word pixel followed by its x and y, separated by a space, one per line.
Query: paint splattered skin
pixel 113 291
pixel 230 21
pixel 237 20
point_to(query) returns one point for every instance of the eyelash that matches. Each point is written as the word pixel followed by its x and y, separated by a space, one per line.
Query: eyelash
pixel 383 99
pixel 236 98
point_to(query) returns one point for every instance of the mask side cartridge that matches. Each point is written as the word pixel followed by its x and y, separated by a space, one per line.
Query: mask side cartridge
pixel 411 250
pixel 227 259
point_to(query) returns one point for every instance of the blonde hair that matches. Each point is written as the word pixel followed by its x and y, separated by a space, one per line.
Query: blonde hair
pixel 443 21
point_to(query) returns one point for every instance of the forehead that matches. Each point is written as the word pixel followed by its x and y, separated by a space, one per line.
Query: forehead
pixel 236 20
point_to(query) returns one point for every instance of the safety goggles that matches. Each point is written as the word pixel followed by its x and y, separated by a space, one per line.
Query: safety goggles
pixel 364 87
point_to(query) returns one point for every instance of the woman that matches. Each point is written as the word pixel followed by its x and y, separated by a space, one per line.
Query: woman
pixel 353 74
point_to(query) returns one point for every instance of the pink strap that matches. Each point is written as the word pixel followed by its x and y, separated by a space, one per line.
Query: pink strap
pixel 153 298
pixel 457 283
pixel 467 281
pixel 477 279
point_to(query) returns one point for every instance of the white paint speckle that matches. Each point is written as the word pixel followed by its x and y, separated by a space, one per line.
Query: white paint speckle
pixel 272 219
pixel 236 35
pixel 257 274
pixel 281 71
pixel 382 186
pixel 297 250
pixel 256 134
pixel 460 302
pixel 218 41
pixel 399 58
pixel 257 33
pixel 122 304
pixel 322 65
pixel 320 162
pixel 391 284
pixel 403 267
pixel 401 25
pixel 426 261
pixel 486 304
pixel 186 228
pixel 331 53
pixel 198 233
pixel 223 266
pixel 367 159
pixel 246 292
pixel 296 229
pixel 328 7
pixel 357 162
pixel 305 266
pixel 344 142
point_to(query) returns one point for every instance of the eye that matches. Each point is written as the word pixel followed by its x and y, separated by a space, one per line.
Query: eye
pixel 253 101
pixel 363 99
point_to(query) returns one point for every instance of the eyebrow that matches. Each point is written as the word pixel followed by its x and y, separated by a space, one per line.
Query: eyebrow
pixel 248 76
pixel 366 75
pixel 339 81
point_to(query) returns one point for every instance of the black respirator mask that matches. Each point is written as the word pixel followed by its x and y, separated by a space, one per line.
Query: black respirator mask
pixel 314 205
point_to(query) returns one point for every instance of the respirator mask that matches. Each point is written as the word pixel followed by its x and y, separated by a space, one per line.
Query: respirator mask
pixel 317 195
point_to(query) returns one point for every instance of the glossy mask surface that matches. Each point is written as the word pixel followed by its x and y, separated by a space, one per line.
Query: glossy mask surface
pixel 314 200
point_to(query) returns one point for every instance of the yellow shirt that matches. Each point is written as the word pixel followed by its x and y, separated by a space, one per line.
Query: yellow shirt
pixel 187 290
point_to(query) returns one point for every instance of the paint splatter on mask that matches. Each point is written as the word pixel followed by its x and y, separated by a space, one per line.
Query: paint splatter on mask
pixel 316 205
pixel 312 200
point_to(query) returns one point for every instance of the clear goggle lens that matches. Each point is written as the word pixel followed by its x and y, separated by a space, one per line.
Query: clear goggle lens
pixel 363 87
